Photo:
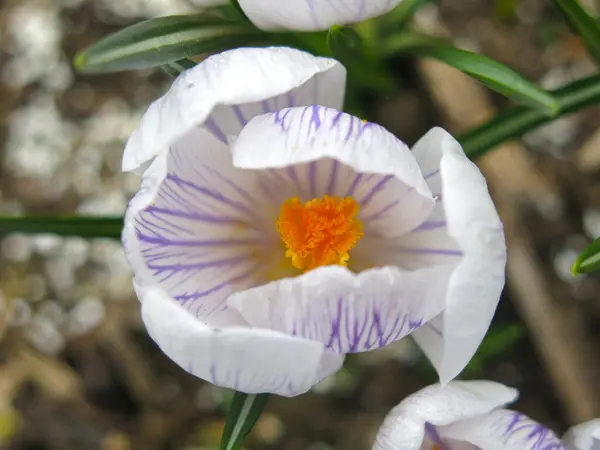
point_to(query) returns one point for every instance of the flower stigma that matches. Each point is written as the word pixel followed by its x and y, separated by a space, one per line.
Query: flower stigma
pixel 320 232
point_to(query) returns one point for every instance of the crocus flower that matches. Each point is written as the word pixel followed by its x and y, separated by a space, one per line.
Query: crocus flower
pixel 308 15
pixel 468 415
pixel 273 233
pixel 585 436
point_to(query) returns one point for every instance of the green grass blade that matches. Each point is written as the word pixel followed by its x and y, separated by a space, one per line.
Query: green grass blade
pixel 164 40
pixel 87 227
pixel 243 414
pixel 589 259
pixel 491 73
pixel 516 121
pixel 176 67
pixel 582 23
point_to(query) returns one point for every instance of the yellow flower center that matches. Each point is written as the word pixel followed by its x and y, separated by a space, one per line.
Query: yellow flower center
pixel 319 232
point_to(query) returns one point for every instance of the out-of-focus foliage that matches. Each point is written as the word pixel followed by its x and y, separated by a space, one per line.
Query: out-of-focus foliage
pixel 589 259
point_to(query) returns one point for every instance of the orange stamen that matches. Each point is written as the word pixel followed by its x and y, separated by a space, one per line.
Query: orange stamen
pixel 320 232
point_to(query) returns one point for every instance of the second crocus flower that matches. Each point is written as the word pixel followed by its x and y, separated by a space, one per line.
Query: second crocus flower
pixel 469 415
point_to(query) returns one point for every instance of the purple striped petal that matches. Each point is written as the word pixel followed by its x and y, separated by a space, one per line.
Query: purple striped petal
pixel 240 358
pixel 503 430
pixel 325 151
pixel 427 416
pixel 197 228
pixel 226 90
pixel 347 312
pixel 307 15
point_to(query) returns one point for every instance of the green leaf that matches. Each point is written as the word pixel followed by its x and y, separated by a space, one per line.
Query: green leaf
pixel 345 43
pixel 235 5
pixel 164 40
pixel 245 411
pixel 176 67
pixel 516 121
pixel 491 73
pixel 87 227
pixel 589 259
pixel 583 24
pixel 364 69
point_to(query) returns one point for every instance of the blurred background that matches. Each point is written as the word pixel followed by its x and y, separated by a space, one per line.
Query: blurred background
pixel 77 370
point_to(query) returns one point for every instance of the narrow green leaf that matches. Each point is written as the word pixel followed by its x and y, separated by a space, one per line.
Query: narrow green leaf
pixel 496 76
pixel 163 40
pixel 589 259
pixel 582 23
pixel 87 227
pixel 176 67
pixel 245 411
pixel 491 73
pixel 516 121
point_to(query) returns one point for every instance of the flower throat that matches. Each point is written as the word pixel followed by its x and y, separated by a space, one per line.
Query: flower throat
pixel 320 232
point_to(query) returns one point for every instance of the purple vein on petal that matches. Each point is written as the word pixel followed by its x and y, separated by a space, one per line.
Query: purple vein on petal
pixel 239 114
pixel 429 225
pixel 431 174
pixel 194 216
pixel 265 106
pixel 379 214
pixel 363 127
pixel 380 186
pixel 291 99
pixel 217 196
pixel 280 119
pixel 160 222
pixel 354 185
pixel 350 129
pixel 336 120
pixel 185 297
pixel 161 241
pixel 212 126
pixel 193 269
pixel 433 434
pixel 315 118
pixel 333 176
pixel 237 188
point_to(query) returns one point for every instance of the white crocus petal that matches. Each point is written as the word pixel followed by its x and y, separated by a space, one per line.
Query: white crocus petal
pixel 405 426
pixel 347 312
pixel 502 430
pixel 585 436
pixel 226 90
pixel 377 169
pixel 466 215
pixel 195 227
pixel 306 15
pixel 245 359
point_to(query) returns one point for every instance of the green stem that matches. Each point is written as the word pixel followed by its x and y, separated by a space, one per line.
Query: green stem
pixel 514 122
pixel 243 415
pixel 86 227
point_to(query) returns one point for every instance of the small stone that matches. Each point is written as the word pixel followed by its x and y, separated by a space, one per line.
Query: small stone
pixel 44 335
pixel 85 316
pixel 17 247
pixel 19 312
